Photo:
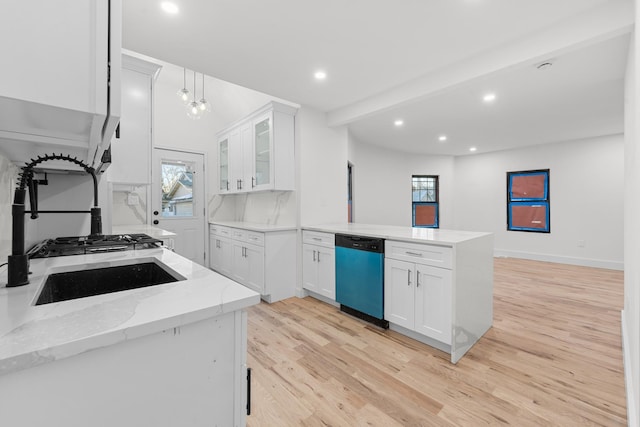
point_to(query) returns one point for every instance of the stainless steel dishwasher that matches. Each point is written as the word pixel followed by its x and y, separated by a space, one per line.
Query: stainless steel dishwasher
pixel 360 277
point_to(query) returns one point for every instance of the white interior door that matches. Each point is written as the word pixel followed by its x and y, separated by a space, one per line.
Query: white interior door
pixel 178 201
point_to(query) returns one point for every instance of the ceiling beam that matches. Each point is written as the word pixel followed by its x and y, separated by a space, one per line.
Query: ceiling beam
pixel 596 25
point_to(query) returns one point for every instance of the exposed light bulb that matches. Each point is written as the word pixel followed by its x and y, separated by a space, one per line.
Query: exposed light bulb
pixel 398 122
pixel 193 110
pixel 442 138
pixel 183 93
pixel 204 105
pixel 320 75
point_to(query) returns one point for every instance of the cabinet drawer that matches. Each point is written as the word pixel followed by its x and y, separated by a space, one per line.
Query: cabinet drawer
pixel 318 238
pixel 242 235
pixel 254 237
pixel 219 230
pixel 238 234
pixel 437 256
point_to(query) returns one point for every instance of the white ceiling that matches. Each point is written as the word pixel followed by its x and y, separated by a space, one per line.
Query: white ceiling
pixel 427 62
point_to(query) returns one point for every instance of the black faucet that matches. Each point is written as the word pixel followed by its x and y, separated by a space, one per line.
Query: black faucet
pixel 18 261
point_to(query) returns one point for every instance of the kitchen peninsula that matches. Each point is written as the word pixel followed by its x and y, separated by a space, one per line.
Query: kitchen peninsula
pixel 162 355
pixel 438 284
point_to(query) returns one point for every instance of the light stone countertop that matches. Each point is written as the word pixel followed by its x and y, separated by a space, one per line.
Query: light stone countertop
pixel 435 236
pixel 33 335
pixel 149 230
pixel 254 226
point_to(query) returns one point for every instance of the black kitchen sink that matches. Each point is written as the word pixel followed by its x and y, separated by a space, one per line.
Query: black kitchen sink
pixel 86 283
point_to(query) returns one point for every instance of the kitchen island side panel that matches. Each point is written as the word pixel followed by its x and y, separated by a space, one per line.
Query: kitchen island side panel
pixel 181 376
pixel 472 293
pixel 280 265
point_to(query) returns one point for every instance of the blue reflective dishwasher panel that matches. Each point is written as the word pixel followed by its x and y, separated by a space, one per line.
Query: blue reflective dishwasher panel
pixel 360 279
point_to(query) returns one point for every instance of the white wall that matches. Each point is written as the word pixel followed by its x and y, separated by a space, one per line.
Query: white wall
pixel 382 184
pixel 322 154
pixel 631 312
pixel 586 200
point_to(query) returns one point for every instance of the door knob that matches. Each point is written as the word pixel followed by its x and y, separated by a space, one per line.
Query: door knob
pixel 156 222
pixel 155 212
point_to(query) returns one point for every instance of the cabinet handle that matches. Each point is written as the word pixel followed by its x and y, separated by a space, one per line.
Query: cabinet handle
pixel 314 256
pixel 317 239
pixel 248 391
pixel 417 278
pixel 227 185
pixel 318 256
pixel 240 184
pixel 253 180
pixel 217 243
pixel 408 277
pixel 413 253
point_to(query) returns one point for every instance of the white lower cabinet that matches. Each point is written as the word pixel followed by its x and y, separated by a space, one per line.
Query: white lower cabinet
pixel 220 254
pixel 262 261
pixel 248 265
pixel 318 263
pixel 418 297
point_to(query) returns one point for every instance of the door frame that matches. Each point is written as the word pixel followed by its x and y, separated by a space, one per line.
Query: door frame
pixel 205 216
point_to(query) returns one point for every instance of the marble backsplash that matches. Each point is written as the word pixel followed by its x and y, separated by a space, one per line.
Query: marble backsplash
pixel 273 208
pixel 129 205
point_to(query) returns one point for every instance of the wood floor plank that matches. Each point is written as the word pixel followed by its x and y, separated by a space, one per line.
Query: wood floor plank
pixel 552 358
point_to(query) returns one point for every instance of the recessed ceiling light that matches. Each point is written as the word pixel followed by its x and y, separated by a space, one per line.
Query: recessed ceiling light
pixel 320 75
pixel 489 97
pixel 169 7
pixel 442 138
pixel 398 122
pixel 472 149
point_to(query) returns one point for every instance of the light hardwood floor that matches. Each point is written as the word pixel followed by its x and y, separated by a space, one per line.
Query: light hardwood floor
pixel 552 358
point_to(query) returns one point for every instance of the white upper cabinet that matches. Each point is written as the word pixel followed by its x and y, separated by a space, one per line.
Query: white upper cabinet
pixel 257 152
pixel 60 86
pixel 131 148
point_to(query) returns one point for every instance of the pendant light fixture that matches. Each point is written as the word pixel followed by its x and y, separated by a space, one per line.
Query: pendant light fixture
pixel 204 105
pixel 183 93
pixel 193 109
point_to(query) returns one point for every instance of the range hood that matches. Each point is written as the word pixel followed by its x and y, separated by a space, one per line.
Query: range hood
pixel 60 91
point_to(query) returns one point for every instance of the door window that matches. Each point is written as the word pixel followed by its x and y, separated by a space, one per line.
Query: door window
pixel 177 189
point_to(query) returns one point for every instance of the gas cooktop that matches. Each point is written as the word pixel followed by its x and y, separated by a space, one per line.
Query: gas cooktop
pixel 62 246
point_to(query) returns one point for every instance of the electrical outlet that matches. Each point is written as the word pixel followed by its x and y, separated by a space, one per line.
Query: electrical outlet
pixel 582 243
pixel 132 199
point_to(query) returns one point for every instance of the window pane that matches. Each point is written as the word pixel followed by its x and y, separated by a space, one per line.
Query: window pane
pixel 424 189
pixel 177 189
pixel 425 215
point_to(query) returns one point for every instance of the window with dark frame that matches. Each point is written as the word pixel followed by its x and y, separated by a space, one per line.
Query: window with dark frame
pixel 528 201
pixel 425 201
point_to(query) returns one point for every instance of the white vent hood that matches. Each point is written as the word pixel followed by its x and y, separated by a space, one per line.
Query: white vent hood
pixel 60 89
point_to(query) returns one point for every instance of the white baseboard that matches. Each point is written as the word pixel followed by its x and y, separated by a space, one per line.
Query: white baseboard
pixel 632 410
pixel 586 262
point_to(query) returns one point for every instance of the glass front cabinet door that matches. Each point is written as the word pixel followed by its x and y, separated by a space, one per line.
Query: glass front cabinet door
pixel 257 152
pixel 262 152
pixel 223 156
